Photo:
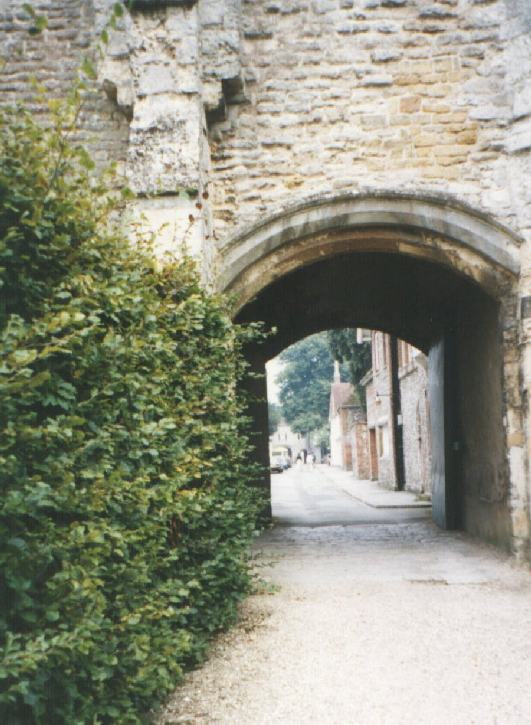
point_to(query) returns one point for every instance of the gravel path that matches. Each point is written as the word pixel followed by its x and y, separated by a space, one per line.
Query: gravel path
pixel 371 623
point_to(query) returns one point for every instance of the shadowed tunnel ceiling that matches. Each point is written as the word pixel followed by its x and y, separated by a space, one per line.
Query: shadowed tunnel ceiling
pixel 408 297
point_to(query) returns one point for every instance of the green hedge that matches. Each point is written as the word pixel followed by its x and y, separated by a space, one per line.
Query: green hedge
pixel 126 512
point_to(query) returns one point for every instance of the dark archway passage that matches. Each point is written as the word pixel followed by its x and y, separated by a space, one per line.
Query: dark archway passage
pixel 446 315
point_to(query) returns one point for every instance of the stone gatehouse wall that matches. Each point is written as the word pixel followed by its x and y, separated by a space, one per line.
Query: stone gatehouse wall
pixel 263 102
pixel 394 94
pixel 222 111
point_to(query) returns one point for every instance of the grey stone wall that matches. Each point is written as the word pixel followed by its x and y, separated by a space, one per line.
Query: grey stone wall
pixel 259 102
pixel 263 102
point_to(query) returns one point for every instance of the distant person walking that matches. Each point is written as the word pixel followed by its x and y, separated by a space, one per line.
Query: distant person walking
pixel 310 459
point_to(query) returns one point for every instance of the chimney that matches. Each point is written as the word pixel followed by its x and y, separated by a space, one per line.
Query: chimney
pixel 337 375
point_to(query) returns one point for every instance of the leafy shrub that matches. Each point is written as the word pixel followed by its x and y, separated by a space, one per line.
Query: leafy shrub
pixel 125 506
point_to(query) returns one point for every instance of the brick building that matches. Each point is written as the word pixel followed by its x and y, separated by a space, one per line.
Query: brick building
pixel 348 429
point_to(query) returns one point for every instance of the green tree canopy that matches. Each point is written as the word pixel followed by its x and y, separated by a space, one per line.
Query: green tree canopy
pixel 357 356
pixel 308 372
pixel 305 383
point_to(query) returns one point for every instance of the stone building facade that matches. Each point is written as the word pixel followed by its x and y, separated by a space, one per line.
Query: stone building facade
pixel 348 431
pixel 359 444
pixel 380 412
pixel 398 426
pixel 286 441
pixel 412 373
pixel 266 135
pixel 389 441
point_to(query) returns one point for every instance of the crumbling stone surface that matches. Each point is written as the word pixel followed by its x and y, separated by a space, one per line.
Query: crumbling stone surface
pixel 378 95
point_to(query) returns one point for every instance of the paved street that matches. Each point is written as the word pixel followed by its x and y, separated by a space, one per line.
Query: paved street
pixel 368 616
pixel 322 496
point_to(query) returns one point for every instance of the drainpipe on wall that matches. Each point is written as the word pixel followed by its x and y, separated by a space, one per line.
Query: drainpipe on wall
pixel 396 415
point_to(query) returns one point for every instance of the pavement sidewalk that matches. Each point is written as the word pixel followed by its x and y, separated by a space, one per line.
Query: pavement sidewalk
pixel 369 493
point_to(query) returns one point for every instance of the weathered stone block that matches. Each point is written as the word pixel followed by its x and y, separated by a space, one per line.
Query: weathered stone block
pixel 519 139
pixel 385 55
pixel 377 81
pixel 155 4
pixel 323 6
pixel 155 78
pixel 436 11
pixel 211 13
pixel 522 102
pixel 164 147
pixel 410 104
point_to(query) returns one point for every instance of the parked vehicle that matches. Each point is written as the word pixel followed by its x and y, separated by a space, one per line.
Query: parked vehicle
pixel 277 464
pixel 283 453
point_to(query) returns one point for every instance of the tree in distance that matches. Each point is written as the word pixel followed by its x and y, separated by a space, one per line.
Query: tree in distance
pixel 308 372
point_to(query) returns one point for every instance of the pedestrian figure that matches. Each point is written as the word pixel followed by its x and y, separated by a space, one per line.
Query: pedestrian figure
pixel 299 460
pixel 310 459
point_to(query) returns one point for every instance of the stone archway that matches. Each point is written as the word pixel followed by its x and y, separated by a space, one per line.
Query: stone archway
pixel 425 269
pixel 428 226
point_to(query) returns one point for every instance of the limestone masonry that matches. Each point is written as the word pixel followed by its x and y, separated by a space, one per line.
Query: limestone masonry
pixel 241 123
